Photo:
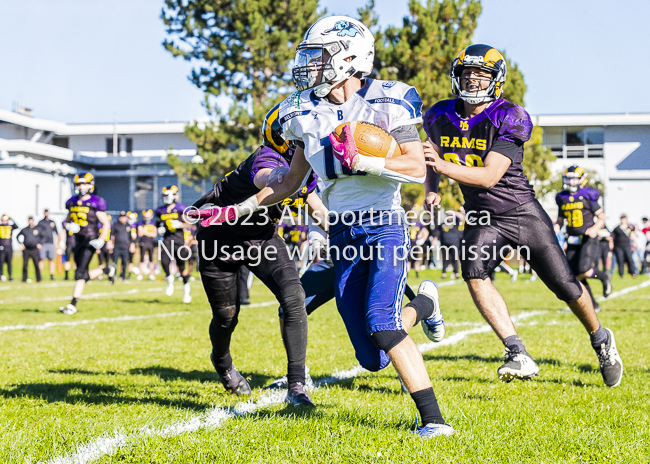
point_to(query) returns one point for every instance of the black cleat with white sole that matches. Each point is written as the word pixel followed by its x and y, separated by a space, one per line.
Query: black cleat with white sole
pixel 517 365
pixel 611 365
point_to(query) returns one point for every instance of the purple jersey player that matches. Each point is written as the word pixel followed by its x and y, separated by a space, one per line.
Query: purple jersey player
pixel 252 241
pixel 169 220
pixel 86 215
pixel 579 205
pixel 478 140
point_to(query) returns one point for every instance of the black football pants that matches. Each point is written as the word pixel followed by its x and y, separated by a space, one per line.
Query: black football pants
pixel 123 254
pixel 5 257
pixel 624 255
pixel 221 283
pixel 526 226
pixel 34 256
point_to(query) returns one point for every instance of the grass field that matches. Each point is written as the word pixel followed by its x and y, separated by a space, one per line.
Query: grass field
pixel 133 383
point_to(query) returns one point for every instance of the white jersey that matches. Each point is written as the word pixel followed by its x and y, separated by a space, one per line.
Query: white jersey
pixel 309 119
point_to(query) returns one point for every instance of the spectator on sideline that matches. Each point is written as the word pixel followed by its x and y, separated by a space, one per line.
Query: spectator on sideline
pixel 49 231
pixel 7 227
pixel 122 242
pixel 623 247
pixel 640 242
pixel 30 239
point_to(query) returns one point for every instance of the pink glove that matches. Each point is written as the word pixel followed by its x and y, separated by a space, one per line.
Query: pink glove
pixel 345 151
pixel 214 216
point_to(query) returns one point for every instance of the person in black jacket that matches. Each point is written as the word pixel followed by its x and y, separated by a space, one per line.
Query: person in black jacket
pixel 623 247
pixel 31 240
pixel 122 242
pixel 49 231
pixel 7 227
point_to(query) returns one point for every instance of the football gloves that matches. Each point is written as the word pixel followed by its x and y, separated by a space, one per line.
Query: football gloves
pixel 345 151
pixel 72 227
pixel 97 243
pixel 220 214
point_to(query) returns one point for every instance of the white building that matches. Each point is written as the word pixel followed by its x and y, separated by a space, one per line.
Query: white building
pixel 617 146
pixel 38 159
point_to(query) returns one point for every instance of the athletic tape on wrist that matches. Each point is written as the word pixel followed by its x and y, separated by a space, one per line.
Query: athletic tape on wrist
pixel 370 164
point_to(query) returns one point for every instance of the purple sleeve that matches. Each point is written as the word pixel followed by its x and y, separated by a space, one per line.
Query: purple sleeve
pixel 558 200
pixel 71 202
pixel 267 159
pixel 594 196
pixel 180 208
pixel 516 126
pixel 98 203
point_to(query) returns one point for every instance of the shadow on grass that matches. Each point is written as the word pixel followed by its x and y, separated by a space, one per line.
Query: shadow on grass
pixel 485 359
pixel 91 393
pixel 564 382
pixel 170 374
pixel 347 418
pixel 144 300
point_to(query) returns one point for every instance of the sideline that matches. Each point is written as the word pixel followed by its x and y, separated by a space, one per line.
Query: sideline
pixel 49 325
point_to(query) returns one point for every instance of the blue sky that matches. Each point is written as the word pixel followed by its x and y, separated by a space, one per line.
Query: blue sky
pixel 100 60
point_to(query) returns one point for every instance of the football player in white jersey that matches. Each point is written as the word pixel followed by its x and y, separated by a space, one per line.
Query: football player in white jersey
pixel 368 236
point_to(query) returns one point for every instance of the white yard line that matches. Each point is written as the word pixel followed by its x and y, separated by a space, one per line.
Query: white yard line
pixel 214 417
pixel 49 325
pixel 625 291
pixel 29 299
pixel 617 294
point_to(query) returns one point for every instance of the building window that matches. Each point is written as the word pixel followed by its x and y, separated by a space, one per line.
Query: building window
pixel 63 142
pixel 575 142
pixel 129 145
pixel 109 145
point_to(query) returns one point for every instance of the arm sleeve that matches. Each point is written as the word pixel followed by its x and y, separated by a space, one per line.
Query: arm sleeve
pixel 405 134
pixel 56 228
pixel 206 198
pixel 506 148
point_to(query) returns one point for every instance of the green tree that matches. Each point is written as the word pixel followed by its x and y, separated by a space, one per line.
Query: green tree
pixel 537 159
pixel 242 48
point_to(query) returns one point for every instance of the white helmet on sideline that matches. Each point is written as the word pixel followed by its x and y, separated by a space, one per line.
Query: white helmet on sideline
pixel 334 49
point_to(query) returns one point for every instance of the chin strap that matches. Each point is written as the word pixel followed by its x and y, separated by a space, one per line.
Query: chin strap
pixel 323 90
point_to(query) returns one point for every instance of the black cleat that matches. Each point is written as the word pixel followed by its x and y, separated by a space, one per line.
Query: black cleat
pixel 611 365
pixel 233 381
pixel 607 285
pixel 298 396
pixel 517 365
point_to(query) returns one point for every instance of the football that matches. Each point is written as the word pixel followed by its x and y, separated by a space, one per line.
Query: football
pixel 371 139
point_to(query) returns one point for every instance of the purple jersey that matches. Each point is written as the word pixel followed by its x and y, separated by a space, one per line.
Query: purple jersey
pixel 165 215
pixel 148 226
pixel 578 209
pixel 238 186
pixel 84 213
pixel 502 127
